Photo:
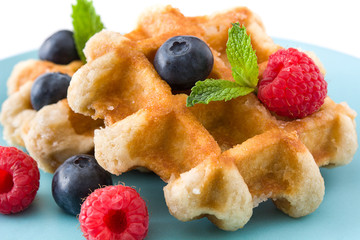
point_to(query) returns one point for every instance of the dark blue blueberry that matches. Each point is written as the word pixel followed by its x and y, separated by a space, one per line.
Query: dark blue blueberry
pixel 49 88
pixel 75 179
pixel 182 61
pixel 59 48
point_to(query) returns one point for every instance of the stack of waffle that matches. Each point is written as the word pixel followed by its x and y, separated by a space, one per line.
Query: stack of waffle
pixel 220 159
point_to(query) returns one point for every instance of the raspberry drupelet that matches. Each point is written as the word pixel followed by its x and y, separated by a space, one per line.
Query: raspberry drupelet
pixel 292 84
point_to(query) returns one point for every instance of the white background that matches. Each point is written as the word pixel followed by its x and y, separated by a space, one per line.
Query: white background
pixel 25 24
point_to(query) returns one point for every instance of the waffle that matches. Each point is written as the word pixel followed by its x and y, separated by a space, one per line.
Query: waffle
pixel 222 159
pixel 48 134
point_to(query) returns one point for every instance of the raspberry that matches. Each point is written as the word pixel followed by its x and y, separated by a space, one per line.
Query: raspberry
pixel 114 212
pixel 19 180
pixel 292 84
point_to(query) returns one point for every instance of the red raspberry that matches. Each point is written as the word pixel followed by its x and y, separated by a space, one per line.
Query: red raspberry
pixel 114 212
pixel 19 180
pixel 292 84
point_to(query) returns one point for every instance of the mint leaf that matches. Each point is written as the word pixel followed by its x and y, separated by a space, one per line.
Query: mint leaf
pixel 215 90
pixel 245 71
pixel 242 57
pixel 85 23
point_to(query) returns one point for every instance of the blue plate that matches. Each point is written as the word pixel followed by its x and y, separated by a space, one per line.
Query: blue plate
pixel 336 218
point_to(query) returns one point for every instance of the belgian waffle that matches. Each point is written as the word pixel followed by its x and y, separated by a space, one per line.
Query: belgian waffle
pixel 222 159
pixel 48 134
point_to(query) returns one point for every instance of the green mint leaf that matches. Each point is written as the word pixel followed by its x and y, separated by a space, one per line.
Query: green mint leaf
pixel 244 67
pixel 242 57
pixel 85 23
pixel 215 90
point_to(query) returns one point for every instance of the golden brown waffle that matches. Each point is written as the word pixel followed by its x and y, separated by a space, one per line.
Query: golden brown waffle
pixel 50 133
pixel 222 159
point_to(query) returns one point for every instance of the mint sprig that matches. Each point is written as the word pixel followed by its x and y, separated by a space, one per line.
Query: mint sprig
pixel 85 23
pixel 215 90
pixel 242 57
pixel 245 71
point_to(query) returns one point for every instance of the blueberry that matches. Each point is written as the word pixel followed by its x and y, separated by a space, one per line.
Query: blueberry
pixel 182 61
pixel 49 88
pixel 75 179
pixel 59 48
